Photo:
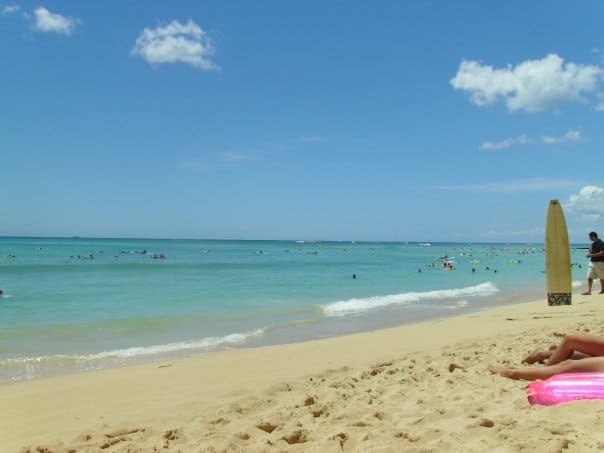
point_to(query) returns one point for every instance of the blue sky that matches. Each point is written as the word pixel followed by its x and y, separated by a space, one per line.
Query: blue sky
pixel 410 121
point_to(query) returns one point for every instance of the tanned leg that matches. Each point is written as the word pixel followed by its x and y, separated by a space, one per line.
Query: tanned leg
pixel 568 366
pixel 591 345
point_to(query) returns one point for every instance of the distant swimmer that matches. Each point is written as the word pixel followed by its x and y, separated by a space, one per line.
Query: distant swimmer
pixel 1 293
pixel 354 276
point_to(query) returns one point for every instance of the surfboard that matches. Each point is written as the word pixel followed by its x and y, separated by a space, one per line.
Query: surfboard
pixel 557 257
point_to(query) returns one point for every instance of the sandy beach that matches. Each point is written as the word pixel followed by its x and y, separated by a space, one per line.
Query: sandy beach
pixel 422 387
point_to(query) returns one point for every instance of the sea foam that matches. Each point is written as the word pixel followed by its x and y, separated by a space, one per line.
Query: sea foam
pixel 351 306
pixel 204 343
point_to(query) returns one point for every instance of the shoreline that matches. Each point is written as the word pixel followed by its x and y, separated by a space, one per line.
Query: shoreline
pixel 39 368
pixel 225 398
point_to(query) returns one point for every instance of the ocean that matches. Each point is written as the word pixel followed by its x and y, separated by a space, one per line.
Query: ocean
pixel 78 304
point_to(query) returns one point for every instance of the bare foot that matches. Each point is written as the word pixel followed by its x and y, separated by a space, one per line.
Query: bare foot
pixel 503 371
pixel 586 293
pixel 540 355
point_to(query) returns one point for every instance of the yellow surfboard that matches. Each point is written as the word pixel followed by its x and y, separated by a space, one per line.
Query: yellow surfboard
pixel 557 257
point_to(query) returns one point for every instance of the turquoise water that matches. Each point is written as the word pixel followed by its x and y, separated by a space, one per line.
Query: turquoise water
pixel 80 304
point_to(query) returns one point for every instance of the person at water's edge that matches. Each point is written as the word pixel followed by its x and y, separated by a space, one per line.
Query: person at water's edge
pixel 596 265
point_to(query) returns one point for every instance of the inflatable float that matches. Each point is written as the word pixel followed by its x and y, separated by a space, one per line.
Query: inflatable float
pixel 565 387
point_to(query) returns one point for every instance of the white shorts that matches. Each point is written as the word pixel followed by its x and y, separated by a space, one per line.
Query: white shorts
pixel 596 269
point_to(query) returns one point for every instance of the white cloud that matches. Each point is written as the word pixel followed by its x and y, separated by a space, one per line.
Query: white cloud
pixel 521 140
pixel 600 106
pixel 10 9
pixel 522 185
pixel 174 43
pixel 589 202
pixel 533 85
pixel 54 23
pixel 572 136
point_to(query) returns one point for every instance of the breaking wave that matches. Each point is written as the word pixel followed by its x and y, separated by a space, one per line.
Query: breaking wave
pixel 351 306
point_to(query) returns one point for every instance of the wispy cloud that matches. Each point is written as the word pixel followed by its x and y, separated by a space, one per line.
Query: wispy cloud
pixel 506 143
pixel 572 136
pixel 176 43
pixel 48 22
pixel 589 202
pixel 235 156
pixel 532 86
pixel 522 185
pixel 600 106
pixel 219 159
pixel 312 139
pixel 7 10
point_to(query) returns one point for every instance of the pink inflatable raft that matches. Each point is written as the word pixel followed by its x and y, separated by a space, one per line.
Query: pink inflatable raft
pixel 566 387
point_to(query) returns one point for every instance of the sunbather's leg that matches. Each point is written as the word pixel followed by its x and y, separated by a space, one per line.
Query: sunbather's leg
pixel 585 343
pixel 542 355
pixel 543 372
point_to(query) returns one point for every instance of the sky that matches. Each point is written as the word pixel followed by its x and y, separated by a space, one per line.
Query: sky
pixel 319 120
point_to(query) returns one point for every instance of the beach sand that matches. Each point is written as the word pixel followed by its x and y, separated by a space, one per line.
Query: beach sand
pixel 421 387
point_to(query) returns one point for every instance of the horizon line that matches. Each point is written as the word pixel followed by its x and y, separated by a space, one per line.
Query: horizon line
pixel 275 240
